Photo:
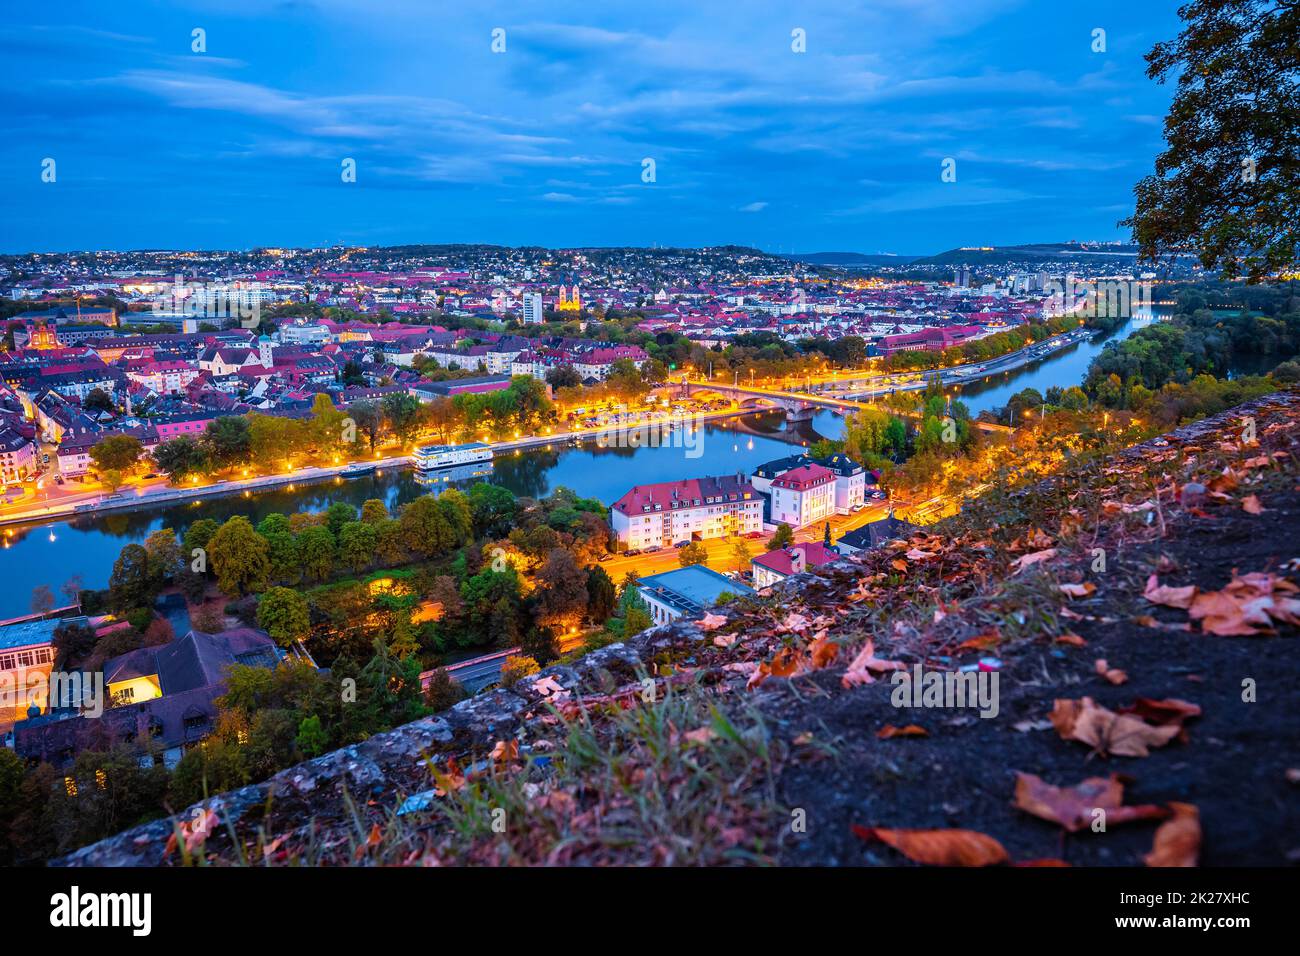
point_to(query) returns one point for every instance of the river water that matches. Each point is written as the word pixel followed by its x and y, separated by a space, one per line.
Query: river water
pixel 87 545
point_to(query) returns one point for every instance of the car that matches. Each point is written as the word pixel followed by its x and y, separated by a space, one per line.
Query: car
pixel 631 552
pixel 681 544
pixel 857 508
pixel 754 534
pixel 652 549
pixel 608 557
pixel 58 479
pixel 150 476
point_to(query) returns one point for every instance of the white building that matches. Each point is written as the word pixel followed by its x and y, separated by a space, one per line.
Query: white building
pixel 803 496
pixel 533 313
pixel 686 592
pixel 659 515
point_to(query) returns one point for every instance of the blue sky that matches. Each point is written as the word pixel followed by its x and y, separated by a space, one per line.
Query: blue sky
pixel 837 148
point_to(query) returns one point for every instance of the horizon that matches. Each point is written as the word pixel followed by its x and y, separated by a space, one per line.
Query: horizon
pixel 838 148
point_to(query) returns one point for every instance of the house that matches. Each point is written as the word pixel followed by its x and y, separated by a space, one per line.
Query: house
pixel 26 656
pixel 18 457
pixel 686 592
pixel 778 565
pixel 850 481
pixel 873 535
pixel 163 699
pixel 662 514
pixel 803 496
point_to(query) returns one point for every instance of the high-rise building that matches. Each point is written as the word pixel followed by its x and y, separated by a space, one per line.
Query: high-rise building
pixel 961 277
pixel 533 308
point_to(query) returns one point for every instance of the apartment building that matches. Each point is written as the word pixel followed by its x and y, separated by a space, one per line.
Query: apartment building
pixel 803 496
pixel 667 513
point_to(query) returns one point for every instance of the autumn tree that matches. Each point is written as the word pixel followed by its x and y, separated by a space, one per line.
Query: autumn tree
pixel 118 453
pixel 239 557
pixel 283 613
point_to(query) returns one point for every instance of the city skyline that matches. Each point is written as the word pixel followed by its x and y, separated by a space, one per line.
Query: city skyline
pixel 839 148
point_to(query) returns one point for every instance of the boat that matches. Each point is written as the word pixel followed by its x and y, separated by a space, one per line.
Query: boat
pixel 360 468
pixel 433 457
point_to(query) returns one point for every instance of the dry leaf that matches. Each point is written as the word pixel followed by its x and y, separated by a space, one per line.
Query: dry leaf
pixel 911 730
pixel 1106 731
pixel 1158 593
pixel 1073 807
pixel 939 847
pixel 1178 840
pixel 1112 674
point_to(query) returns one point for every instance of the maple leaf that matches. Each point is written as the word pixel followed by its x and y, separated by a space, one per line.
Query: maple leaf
pixel 711 622
pixel 1073 807
pixel 724 640
pixel 1106 731
pixel 1026 560
pixel 1251 505
pixel 1162 594
pixel 911 730
pixel 1178 840
pixel 916 554
pixel 860 668
pixel 939 847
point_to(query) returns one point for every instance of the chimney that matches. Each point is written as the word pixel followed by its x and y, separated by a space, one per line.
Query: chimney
pixel 796 560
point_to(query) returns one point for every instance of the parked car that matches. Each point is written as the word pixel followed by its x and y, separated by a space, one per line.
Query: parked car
pixel 681 544
pixel 754 534
pixel 631 552
pixel 652 549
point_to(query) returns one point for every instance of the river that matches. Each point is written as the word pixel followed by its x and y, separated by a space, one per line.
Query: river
pixel 87 545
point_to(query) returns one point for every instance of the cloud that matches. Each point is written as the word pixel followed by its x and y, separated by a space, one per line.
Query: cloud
pixel 754 207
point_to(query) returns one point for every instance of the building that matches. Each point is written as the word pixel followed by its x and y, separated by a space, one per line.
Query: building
pixel 161 699
pixel 26 656
pixel 850 481
pixel 17 456
pixel 778 565
pixel 686 592
pixel 803 496
pixel 533 312
pixel 654 516
pixel 873 535
pixel 569 302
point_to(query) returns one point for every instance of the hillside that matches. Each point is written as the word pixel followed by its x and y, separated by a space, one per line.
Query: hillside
pixel 1138 613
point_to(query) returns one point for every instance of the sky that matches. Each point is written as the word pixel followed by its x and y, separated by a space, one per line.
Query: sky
pixel 550 141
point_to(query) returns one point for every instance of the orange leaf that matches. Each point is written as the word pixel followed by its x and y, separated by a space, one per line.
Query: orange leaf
pixel 1112 674
pixel 1077 590
pixel 1158 593
pixel 1251 505
pixel 1073 807
pixel 911 730
pixel 1177 841
pixel 939 847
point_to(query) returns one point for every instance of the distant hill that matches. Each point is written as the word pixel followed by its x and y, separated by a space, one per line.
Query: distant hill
pixel 848 259
pixel 1044 251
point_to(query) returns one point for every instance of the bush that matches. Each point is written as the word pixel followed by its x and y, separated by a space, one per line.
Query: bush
pixel 140 618
pixel 516 668
pixel 443 691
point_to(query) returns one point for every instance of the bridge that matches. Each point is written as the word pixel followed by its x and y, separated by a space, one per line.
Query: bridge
pixel 800 407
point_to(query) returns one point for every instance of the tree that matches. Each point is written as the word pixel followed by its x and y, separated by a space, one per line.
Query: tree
pixel 826 535
pixel 316 552
pixel 118 453
pixel 181 458
pixel 197 537
pixel 540 644
pixel 72 589
pixel 133 583
pixel 693 553
pixel 42 599
pixel 239 557
pixel 369 418
pixel 442 691
pixel 228 440
pixel 561 590
pixel 516 668
pixel 400 413
pixel 283 613
pixel 601 595
pixel 1227 185
pixel 356 549
pixel 312 739
pixel 99 400
pixel 339 514
pixel 783 537
pixel 165 557
pixel 563 376
pixel 373 511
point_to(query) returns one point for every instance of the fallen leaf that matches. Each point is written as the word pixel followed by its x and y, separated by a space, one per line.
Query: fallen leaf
pixel 1025 560
pixel 1251 505
pixel 911 730
pixel 1074 807
pixel 1077 590
pixel 1106 731
pixel 1069 637
pixel 711 622
pixel 1158 593
pixel 1112 674
pixel 1178 840
pixel 859 671
pixel 939 847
